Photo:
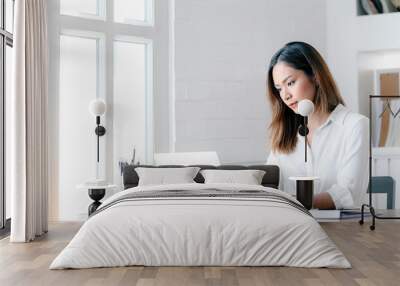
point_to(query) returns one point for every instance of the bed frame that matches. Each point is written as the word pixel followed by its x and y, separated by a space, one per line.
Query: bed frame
pixel 270 179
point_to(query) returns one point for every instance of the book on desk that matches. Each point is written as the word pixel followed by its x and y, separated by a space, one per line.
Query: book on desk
pixel 326 215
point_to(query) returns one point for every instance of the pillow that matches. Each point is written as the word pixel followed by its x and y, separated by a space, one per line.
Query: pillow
pixel 163 176
pixel 249 177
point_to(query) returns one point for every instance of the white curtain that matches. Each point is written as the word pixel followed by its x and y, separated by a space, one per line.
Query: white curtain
pixel 29 159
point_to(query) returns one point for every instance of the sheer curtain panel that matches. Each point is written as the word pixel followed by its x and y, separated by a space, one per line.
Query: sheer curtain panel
pixel 29 156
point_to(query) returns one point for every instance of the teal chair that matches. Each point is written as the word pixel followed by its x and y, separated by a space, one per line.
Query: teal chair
pixel 384 185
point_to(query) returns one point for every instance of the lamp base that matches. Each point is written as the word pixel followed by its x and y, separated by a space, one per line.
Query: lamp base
pixel 305 192
pixel 96 195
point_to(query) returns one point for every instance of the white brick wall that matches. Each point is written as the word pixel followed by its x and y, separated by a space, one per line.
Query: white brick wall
pixel 222 49
pixel 347 41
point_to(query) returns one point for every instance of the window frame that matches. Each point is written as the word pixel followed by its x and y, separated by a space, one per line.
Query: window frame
pixel 6 39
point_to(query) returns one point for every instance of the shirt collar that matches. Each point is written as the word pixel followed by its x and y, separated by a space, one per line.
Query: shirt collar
pixel 337 115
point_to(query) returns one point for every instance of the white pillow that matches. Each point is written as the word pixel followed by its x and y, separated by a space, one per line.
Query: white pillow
pixel 249 177
pixel 164 176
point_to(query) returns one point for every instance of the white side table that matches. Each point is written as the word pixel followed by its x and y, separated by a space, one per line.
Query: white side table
pixel 96 193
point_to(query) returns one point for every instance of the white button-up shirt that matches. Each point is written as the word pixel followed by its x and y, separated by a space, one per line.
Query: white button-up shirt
pixel 338 155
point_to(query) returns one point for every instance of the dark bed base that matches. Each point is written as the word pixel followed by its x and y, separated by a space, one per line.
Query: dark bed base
pixel 270 179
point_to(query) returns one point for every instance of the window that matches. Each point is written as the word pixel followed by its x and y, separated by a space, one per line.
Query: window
pixel 86 9
pixel 80 69
pixel 8 83
pixel 97 56
pixel 6 43
pixel 139 12
pixel 132 73
pixel 9 15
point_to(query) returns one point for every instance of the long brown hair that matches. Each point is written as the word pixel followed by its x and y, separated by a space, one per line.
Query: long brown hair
pixel 285 123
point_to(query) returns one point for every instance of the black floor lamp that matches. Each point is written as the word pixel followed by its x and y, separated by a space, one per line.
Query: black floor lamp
pixel 305 108
pixel 97 108
pixel 305 185
pixel 369 205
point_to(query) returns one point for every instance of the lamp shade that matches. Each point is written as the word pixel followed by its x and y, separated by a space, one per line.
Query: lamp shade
pixel 97 107
pixel 305 107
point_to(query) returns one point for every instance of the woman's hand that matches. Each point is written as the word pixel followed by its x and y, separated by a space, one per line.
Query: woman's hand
pixel 323 201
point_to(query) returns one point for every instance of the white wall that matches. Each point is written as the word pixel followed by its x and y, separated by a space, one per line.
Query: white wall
pixel 368 62
pixel 222 51
pixel 347 36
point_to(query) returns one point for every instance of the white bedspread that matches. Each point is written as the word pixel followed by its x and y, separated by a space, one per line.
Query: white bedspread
pixel 200 231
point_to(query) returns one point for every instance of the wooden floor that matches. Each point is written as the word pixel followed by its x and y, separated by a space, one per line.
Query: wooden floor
pixel 374 255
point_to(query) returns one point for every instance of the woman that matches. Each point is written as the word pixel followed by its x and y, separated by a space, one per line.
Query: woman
pixel 337 138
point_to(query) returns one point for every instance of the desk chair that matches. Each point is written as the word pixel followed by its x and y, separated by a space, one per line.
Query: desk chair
pixel 384 185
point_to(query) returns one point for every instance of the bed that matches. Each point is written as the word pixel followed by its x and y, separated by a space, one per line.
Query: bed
pixel 201 224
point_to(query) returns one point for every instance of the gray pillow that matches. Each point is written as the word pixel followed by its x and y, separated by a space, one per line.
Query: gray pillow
pixel 165 176
pixel 248 177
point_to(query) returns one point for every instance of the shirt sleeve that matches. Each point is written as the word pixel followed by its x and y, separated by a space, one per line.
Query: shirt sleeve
pixel 352 175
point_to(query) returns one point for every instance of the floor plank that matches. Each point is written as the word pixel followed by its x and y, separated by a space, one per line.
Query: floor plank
pixel 374 255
